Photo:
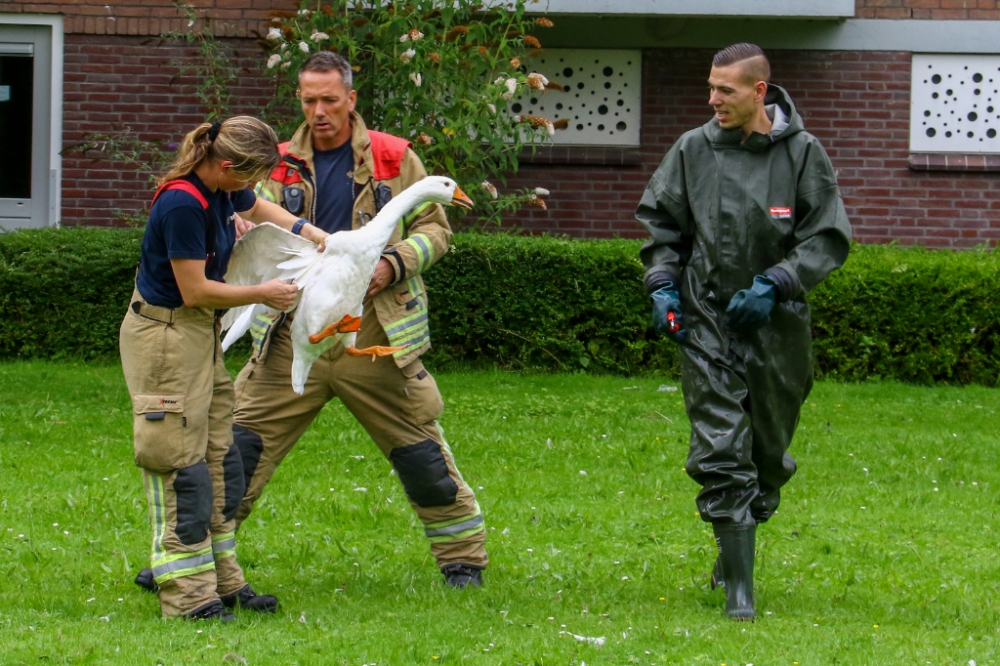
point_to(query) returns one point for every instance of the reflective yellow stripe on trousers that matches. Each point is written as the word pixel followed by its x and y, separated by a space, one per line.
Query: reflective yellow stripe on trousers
pixel 456 528
pixel 167 567
pixel 154 491
pixel 224 545
pixel 182 564
pixel 260 326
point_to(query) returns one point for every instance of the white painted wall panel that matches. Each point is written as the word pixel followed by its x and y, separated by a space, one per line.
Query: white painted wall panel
pixel 603 98
pixel 955 104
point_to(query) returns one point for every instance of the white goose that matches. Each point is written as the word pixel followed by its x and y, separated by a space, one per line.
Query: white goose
pixel 332 284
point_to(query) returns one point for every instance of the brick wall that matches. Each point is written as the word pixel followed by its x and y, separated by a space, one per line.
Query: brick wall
pixel 152 17
pixel 928 9
pixel 114 82
pixel 856 103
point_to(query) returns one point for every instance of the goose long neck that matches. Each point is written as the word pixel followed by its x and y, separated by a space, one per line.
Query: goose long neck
pixel 393 212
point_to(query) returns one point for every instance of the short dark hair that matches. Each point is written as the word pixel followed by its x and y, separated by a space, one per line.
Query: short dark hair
pixel 754 63
pixel 328 61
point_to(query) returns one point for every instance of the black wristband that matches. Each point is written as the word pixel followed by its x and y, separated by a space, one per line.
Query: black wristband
pixel 400 266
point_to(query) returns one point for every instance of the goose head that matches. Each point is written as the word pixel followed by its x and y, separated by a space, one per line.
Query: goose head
pixel 444 191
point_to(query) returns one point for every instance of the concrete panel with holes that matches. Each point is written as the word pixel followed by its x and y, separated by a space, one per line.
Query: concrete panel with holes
pixel 602 98
pixel 955 104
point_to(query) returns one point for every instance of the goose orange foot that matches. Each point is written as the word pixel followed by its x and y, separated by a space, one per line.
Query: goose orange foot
pixel 348 324
pixel 374 351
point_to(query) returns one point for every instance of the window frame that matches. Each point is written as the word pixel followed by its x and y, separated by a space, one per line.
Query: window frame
pixel 48 54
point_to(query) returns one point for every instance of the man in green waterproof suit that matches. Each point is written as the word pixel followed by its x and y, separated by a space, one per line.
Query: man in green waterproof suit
pixel 745 218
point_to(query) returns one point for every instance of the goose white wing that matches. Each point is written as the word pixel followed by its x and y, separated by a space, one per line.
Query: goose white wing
pixel 264 253
pixel 257 256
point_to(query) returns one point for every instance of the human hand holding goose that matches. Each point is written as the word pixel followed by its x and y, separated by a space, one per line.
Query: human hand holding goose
pixel 384 274
pixel 242 226
pixel 278 295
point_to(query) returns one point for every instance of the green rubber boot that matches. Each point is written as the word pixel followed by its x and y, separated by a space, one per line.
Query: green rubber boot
pixel 717 579
pixel 736 555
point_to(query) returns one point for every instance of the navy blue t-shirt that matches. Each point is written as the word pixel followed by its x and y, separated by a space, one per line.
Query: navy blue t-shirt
pixel 178 229
pixel 334 187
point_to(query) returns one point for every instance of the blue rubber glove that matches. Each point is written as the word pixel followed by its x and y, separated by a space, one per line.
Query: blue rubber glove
pixel 751 308
pixel 667 299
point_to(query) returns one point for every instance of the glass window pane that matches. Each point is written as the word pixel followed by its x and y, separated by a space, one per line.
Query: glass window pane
pixel 16 94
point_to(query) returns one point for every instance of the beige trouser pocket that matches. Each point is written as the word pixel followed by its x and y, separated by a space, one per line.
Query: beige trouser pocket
pixel 161 437
pixel 423 402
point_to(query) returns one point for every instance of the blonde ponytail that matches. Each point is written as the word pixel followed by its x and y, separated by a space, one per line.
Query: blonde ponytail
pixel 248 143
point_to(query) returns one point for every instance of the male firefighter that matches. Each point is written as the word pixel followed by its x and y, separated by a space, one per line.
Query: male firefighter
pixel 337 175
pixel 745 219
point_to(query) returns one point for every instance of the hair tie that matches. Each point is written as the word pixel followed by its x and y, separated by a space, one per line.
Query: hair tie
pixel 213 132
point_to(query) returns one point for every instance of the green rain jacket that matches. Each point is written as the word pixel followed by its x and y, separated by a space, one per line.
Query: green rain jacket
pixel 721 210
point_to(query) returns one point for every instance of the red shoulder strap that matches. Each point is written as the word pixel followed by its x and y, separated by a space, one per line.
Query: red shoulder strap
pixel 387 152
pixel 184 186
pixel 282 173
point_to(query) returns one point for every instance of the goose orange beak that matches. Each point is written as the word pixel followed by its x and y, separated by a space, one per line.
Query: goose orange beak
pixel 461 199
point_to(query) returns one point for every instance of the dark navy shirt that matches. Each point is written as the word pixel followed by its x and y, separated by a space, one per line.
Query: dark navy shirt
pixel 178 229
pixel 334 187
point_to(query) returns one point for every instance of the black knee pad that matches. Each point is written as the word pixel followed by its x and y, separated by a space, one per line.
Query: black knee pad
pixel 193 487
pixel 235 482
pixel 424 473
pixel 250 446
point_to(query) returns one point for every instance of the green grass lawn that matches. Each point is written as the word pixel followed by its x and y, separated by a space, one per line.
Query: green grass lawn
pixel 884 551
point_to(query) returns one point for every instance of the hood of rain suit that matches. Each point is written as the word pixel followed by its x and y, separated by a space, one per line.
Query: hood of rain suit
pixel 785 123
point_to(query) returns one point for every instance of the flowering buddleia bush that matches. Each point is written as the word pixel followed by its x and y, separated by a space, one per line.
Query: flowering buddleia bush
pixel 438 74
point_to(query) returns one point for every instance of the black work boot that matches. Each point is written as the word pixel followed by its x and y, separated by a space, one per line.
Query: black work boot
pixel 736 555
pixel 247 598
pixel 146 581
pixel 462 575
pixel 213 610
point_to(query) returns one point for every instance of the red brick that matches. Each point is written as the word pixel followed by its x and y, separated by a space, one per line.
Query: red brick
pixel 856 103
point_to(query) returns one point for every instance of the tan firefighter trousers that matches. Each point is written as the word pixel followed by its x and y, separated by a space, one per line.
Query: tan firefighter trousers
pixel 182 399
pixel 398 408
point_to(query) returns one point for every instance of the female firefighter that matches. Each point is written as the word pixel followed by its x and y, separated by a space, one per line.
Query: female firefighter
pixel 182 395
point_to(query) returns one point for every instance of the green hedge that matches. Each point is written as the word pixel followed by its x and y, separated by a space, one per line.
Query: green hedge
pixel 537 301
pixel 911 314
pixel 548 303
pixel 63 292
